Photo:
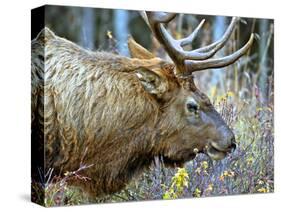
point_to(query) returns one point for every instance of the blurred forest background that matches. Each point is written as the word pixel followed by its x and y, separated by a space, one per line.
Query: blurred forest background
pixel 243 93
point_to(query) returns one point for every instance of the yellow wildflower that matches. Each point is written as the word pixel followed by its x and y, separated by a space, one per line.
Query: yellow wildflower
pixel 210 187
pixel 263 190
pixel 197 192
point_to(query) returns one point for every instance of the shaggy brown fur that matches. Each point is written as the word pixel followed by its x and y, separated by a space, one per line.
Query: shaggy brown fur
pixel 114 113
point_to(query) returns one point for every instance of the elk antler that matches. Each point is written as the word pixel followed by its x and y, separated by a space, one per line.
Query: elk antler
pixel 198 59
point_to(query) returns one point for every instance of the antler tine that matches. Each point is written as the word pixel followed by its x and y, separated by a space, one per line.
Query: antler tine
pixel 223 39
pixel 160 17
pixel 209 51
pixel 188 40
pixel 198 59
pixel 192 66
pixel 172 46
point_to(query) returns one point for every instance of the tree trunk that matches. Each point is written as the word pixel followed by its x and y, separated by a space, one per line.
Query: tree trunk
pixel 87 32
pixel 121 22
pixel 219 29
pixel 263 54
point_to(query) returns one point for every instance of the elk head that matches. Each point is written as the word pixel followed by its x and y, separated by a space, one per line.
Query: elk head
pixel 199 127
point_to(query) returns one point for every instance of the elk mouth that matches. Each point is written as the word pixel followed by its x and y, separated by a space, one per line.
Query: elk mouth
pixel 218 153
pixel 172 162
pixel 215 154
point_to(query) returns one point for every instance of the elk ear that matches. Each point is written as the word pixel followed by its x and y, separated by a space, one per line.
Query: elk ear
pixel 137 51
pixel 152 82
pixel 44 35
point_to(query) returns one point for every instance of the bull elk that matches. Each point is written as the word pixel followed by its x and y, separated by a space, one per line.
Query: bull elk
pixel 116 113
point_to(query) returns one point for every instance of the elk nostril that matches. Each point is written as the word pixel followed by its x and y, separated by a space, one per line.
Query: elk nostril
pixel 232 140
pixel 233 146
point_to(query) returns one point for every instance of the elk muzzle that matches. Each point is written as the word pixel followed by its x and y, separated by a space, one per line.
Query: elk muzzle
pixel 217 150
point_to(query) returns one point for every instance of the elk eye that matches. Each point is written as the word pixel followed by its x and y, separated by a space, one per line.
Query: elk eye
pixel 192 107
